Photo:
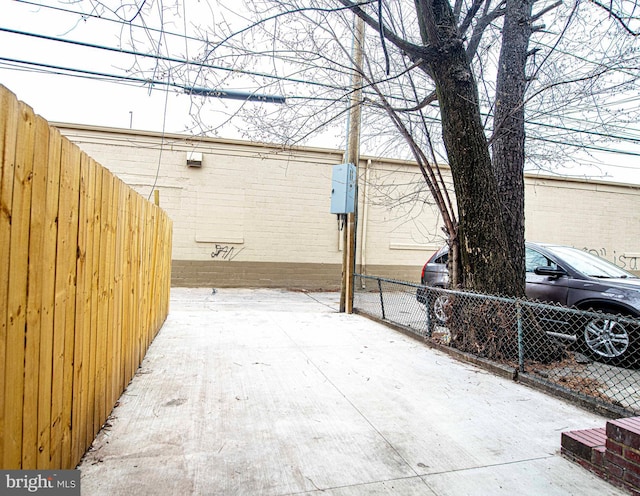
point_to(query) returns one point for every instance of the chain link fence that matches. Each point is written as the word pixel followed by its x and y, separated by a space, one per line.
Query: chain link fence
pixel 591 357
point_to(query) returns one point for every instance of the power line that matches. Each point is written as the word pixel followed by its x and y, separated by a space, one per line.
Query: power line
pixel 117 21
pixel 242 95
pixel 230 94
pixel 585 131
pixel 587 147
pixel 167 59
pixel 208 92
pixel 228 69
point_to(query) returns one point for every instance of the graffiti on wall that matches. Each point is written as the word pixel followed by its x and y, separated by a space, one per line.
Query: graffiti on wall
pixel 622 261
pixel 225 252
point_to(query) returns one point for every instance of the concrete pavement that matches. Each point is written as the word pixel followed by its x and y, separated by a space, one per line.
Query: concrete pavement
pixel 268 392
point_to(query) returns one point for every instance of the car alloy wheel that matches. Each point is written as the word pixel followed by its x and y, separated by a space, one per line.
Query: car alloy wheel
pixel 439 308
pixel 606 338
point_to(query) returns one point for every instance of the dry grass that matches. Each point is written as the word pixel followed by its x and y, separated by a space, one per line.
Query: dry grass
pixel 570 374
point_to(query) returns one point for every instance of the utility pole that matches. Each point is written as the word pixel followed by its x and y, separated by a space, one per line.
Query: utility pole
pixel 353 157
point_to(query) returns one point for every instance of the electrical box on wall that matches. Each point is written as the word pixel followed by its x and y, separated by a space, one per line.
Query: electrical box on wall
pixel 343 189
pixel 194 159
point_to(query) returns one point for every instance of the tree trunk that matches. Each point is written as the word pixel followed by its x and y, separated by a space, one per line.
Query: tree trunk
pixel 484 244
pixel 509 134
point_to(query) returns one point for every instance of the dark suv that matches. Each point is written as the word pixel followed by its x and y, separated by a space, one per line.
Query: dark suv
pixel 570 277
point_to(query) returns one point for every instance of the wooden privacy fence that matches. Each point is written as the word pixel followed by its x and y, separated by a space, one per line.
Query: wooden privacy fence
pixel 85 266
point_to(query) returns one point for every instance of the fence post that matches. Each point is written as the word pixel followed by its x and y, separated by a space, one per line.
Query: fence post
pixel 520 336
pixel 381 299
pixel 428 307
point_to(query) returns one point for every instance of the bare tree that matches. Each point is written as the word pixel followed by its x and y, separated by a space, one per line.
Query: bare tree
pixel 489 248
pixel 456 81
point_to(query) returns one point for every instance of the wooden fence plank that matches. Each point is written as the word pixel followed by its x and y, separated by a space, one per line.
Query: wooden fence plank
pixel 112 342
pixel 127 298
pixel 36 271
pixel 87 402
pixel 82 318
pixel 49 254
pixel 72 163
pixel 144 281
pixel 137 321
pixel 103 302
pixel 120 265
pixel 149 273
pixel 9 112
pixel 17 301
pixel 153 271
pixel 93 419
pixel 64 318
pixel 110 271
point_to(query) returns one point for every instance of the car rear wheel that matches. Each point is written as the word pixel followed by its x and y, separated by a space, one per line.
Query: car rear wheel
pixel 439 308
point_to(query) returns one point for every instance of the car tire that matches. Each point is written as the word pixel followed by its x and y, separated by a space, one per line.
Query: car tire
pixel 439 303
pixel 610 341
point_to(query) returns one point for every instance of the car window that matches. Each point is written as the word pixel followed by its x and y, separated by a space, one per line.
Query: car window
pixel 589 264
pixel 533 260
pixel 442 259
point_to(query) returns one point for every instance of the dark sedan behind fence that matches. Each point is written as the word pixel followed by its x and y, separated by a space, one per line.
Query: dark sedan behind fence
pixel 568 350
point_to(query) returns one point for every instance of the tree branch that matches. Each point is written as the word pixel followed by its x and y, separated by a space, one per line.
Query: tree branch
pixel 478 30
pixel 415 52
pixel 537 16
pixel 471 13
pixel 617 17
pixel 427 100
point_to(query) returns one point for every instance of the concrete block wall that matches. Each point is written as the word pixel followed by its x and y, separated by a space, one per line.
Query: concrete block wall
pixel 258 215
pixel 601 218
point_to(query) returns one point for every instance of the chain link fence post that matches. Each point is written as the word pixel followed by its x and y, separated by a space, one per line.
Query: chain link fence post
pixel 520 336
pixel 381 299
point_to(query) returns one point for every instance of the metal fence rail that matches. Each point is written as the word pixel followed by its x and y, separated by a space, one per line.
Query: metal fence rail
pixel 590 356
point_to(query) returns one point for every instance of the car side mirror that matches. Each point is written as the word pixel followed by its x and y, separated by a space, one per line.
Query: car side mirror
pixel 550 271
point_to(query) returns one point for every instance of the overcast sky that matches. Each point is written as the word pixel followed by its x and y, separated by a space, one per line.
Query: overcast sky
pixel 82 96
pixel 93 100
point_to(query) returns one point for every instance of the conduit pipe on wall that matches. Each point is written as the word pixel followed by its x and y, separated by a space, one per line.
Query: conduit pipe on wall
pixel 364 219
